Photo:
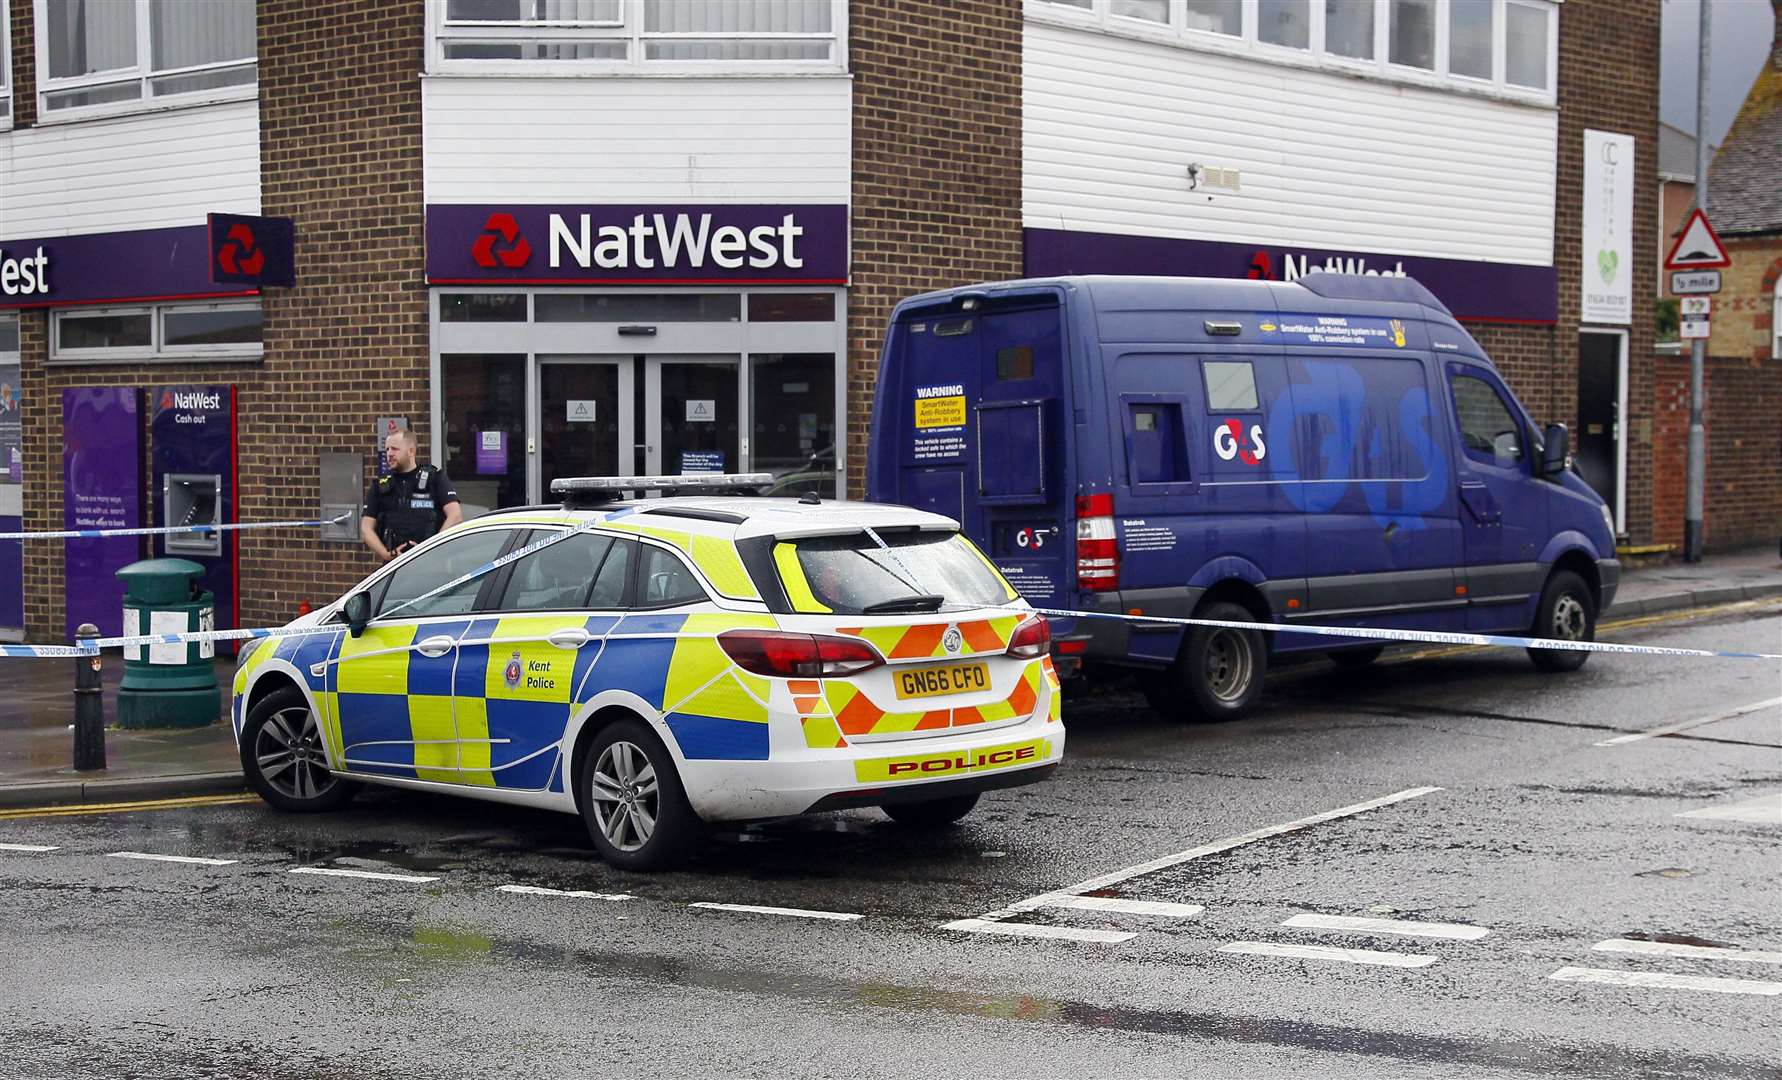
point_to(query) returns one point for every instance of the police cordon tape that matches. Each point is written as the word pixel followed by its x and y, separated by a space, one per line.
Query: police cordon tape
pixel 167 530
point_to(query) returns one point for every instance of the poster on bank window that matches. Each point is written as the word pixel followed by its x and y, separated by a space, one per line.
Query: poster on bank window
pixel 1608 270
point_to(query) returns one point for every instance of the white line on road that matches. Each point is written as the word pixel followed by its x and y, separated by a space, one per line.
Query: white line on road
pixel 192 859
pixel 1130 907
pixel 1704 952
pixel 802 913
pixel 1764 810
pixel 1456 931
pixel 1665 981
pixel 367 874
pixel 534 890
pixel 1672 729
pixel 1034 930
pixel 34 848
pixel 1325 952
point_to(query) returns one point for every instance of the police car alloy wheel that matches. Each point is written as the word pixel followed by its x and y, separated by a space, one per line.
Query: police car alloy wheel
pixel 1568 613
pixel 283 758
pixel 632 800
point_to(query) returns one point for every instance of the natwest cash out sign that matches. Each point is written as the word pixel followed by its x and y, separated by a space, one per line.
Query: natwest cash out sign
pixel 804 244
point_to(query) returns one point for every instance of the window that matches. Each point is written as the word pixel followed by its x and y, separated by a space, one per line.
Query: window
pixel 1411 33
pixel 1349 28
pixel 1014 362
pixel 1470 34
pixel 609 583
pixel 666 581
pixel 1284 22
pixel 5 65
pixel 1775 324
pixel 555 578
pixel 1488 429
pixel 792 307
pixel 1150 10
pixel 484 417
pixel 794 420
pixel 1525 45
pixel 1156 452
pixel 230 331
pixel 1231 385
pixel 638 307
pixel 446 563
pixel 108 55
pixel 1216 16
pixel 482 307
pixel 848 574
pixel 506 36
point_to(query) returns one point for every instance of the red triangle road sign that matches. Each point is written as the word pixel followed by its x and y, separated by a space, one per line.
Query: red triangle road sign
pixel 1698 247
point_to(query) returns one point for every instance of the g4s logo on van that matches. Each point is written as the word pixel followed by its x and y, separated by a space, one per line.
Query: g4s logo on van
pixel 1228 443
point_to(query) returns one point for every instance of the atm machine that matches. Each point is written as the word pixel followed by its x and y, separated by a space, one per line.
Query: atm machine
pixel 192 430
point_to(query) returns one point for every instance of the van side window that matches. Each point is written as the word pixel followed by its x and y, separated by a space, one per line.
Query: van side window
pixel 1157 453
pixel 1231 385
pixel 1488 429
pixel 1014 362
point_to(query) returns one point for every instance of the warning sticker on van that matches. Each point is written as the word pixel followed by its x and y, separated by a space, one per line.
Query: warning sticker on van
pixel 940 406
pixel 1335 330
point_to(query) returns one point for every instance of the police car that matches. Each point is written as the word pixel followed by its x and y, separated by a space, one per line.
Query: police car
pixel 658 663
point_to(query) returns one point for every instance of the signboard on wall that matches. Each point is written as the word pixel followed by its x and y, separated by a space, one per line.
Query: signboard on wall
pixel 141 264
pixel 247 249
pixel 11 439
pixel 101 489
pixel 1606 278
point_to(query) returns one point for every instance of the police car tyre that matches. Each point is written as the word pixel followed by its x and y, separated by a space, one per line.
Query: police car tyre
pixel 283 757
pixel 932 813
pixel 1218 674
pixel 1355 658
pixel 632 800
pixel 1567 612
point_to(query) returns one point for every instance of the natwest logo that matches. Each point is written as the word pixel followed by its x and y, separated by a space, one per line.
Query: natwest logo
pixel 678 241
pixel 513 252
pixel 239 255
pixel 26 275
pixel 1262 266
pixel 190 399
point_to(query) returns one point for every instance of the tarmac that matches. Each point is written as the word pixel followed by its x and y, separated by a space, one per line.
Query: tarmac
pixel 37 703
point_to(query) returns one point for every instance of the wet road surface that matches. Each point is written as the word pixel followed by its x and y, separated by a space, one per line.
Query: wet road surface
pixel 1430 868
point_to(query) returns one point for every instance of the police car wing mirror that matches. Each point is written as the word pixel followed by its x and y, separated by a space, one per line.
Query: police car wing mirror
pixel 1556 450
pixel 358 612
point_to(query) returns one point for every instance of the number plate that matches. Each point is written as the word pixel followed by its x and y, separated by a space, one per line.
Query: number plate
pixel 939 681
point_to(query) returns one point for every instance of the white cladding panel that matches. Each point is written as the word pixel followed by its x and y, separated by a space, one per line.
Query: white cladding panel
pixel 1110 126
pixel 652 140
pixel 142 171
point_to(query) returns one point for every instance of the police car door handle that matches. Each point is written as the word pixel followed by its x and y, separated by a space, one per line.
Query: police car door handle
pixel 571 637
pixel 438 645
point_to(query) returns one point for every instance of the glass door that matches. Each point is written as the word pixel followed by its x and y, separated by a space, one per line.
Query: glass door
pixel 693 410
pixel 582 424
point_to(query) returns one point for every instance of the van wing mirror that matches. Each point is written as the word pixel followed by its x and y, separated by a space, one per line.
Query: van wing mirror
pixel 1556 450
pixel 358 612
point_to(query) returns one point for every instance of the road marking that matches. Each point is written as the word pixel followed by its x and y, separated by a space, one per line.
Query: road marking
pixel 534 890
pixel 1130 907
pixel 367 874
pixel 190 859
pixel 1672 729
pixel 34 848
pixel 1456 931
pixel 1665 948
pixel 802 913
pixel 1034 930
pixel 126 807
pixel 1764 810
pixel 1325 952
pixel 1662 980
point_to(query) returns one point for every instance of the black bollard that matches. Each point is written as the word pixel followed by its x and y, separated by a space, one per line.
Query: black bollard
pixel 89 707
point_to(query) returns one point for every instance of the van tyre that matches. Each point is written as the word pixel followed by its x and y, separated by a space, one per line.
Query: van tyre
pixel 283 756
pixel 1218 674
pixel 932 813
pixel 1355 659
pixel 1567 612
pixel 632 800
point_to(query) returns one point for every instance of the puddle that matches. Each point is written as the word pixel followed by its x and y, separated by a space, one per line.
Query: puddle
pixel 1678 939
pixel 367 854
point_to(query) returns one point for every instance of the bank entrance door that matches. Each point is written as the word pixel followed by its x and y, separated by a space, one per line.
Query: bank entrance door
pixel 693 410
pixel 1597 447
pixel 582 422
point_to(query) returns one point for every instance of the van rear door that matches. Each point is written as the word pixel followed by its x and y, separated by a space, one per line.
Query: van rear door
pixel 972 403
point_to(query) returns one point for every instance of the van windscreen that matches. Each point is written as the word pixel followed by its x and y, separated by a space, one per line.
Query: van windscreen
pixel 848 575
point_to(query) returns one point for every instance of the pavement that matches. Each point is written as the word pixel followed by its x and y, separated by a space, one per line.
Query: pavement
pixel 37 703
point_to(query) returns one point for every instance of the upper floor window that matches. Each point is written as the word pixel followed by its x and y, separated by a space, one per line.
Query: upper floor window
pixel 628 36
pixel 1776 324
pixel 211 331
pixel 1504 47
pixel 5 65
pixel 109 56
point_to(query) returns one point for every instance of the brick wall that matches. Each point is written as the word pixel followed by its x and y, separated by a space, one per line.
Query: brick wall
pixel 1743 415
pixel 937 166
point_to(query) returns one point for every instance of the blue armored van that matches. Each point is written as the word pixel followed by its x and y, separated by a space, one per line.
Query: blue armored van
pixel 1335 451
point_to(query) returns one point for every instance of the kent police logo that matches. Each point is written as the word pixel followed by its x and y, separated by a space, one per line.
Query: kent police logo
pixel 512 673
pixel 952 641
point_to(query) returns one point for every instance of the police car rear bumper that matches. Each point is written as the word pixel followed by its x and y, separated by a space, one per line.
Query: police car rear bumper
pixel 875 773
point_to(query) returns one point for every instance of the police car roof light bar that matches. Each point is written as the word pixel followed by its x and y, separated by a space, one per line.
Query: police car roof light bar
pixel 611 488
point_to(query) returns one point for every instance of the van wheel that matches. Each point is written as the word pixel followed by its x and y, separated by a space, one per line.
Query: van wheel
pixel 632 800
pixel 283 758
pixel 1568 613
pixel 1218 674
pixel 1352 659
pixel 932 814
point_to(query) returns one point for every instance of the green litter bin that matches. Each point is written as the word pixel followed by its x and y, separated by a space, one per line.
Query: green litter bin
pixel 170 685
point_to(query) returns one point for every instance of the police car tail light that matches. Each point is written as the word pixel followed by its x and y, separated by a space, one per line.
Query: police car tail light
pixel 797 656
pixel 1098 552
pixel 1031 639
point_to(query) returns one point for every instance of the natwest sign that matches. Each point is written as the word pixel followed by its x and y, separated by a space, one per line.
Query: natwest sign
pixel 806 244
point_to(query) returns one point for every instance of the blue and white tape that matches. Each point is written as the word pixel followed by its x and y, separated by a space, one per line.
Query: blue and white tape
pixel 167 530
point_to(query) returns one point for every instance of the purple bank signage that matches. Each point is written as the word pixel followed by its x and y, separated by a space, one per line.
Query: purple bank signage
pixel 636 244
pixel 184 262
pixel 101 489
pixel 1494 292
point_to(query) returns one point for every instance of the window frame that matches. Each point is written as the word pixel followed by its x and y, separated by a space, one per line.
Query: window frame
pixel 144 76
pixel 6 108
pixel 1776 321
pixel 156 350
pixel 629 30
pixel 1524 443
pixel 1099 18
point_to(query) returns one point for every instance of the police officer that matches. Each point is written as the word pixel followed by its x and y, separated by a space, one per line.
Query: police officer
pixel 409 503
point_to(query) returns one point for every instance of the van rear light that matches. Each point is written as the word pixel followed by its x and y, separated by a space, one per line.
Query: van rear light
pixel 1098 551
pixel 1031 640
pixel 797 656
